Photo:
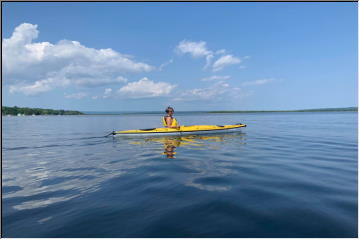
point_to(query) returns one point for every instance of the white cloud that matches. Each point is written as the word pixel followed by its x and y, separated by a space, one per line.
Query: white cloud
pixel 78 95
pixel 215 77
pixel 34 67
pixel 257 82
pixel 32 89
pixel 209 59
pixel 195 49
pixel 107 92
pixel 199 49
pixel 212 92
pixel 225 61
pixel 145 88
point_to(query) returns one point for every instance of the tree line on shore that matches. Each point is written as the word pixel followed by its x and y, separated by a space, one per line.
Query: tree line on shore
pixel 35 111
pixel 348 109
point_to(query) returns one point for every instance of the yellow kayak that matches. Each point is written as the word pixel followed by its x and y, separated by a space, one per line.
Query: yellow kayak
pixel 194 129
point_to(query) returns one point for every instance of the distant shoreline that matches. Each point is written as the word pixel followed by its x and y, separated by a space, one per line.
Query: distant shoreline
pixel 46 112
pixel 25 111
pixel 350 109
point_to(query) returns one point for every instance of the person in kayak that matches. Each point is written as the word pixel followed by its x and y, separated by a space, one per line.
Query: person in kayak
pixel 168 120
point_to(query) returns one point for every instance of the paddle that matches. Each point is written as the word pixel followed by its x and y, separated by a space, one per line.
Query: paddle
pixel 112 133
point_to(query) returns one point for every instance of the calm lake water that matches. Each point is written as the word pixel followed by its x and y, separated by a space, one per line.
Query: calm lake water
pixel 285 175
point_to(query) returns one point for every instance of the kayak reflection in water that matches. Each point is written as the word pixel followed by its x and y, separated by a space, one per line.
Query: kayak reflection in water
pixel 168 120
pixel 195 142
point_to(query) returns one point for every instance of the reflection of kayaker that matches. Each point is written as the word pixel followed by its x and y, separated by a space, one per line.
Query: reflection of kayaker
pixel 170 145
pixel 169 149
pixel 168 120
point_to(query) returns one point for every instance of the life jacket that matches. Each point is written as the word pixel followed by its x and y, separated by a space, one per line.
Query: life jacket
pixel 173 124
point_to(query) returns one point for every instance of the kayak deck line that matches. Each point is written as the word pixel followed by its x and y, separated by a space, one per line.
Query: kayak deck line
pixel 182 130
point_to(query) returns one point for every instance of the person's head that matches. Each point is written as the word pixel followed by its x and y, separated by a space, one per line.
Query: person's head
pixel 169 110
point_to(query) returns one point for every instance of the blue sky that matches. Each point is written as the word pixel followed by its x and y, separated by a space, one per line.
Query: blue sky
pixel 193 56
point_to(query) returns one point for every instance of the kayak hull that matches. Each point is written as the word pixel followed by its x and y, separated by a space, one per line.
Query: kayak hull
pixel 184 130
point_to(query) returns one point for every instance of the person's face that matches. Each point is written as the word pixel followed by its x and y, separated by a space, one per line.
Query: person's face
pixel 171 112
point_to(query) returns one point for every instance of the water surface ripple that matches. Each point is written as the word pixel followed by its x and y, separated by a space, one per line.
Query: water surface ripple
pixel 285 175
